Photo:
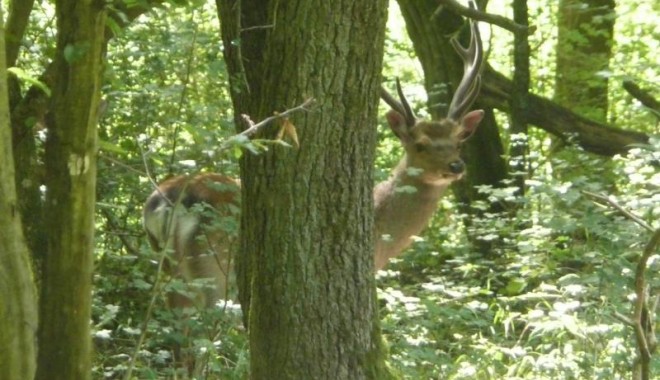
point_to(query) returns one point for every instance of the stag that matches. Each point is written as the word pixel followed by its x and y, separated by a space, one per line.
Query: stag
pixel 432 159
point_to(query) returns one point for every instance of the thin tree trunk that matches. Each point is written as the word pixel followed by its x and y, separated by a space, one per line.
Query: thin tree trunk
pixel 18 311
pixel 65 302
pixel 306 268
pixel 584 48
pixel 519 148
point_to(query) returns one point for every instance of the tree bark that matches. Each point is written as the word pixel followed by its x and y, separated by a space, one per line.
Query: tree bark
pixel 519 148
pixel 305 266
pixel 65 302
pixel 18 306
pixel 584 47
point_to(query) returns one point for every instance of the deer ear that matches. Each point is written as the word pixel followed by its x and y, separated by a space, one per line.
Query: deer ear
pixel 470 122
pixel 398 125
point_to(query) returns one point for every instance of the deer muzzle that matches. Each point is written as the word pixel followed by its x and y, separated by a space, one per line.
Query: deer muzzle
pixel 457 167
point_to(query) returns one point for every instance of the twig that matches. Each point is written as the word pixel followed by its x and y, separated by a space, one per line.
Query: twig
pixel 150 177
pixel 608 200
pixel 643 320
pixel 184 91
pixel 119 163
pixel 254 128
pixel 250 28
pixel 644 325
pixel 478 15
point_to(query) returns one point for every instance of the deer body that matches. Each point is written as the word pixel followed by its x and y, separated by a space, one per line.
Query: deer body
pixel 183 217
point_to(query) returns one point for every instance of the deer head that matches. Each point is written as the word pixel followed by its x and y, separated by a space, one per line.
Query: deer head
pixel 434 146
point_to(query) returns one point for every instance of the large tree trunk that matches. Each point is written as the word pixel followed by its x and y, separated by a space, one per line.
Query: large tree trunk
pixel 65 303
pixel 305 263
pixel 18 307
pixel 584 46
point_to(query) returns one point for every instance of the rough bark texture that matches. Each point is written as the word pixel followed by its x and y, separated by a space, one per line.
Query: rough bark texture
pixel 64 336
pixel 584 47
pixel 307 224
pixel 18 311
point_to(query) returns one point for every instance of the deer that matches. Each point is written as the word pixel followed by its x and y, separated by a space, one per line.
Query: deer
pixel 182 218
pixel 432 159
pixel 431 163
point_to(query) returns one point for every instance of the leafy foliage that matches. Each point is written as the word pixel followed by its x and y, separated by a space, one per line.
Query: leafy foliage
pixel 547 303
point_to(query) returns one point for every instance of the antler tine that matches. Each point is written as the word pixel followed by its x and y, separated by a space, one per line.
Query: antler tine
pixel 401 106
pixel 472 58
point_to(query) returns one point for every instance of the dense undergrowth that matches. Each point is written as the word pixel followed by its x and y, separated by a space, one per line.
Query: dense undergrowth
pixel 548 300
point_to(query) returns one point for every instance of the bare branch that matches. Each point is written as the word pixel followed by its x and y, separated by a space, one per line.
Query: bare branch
pixel 643 96
pixel 644 333
pixel 254 128
pixel 590 135
pixel 475 14
pixel 618 207
pixel 642 321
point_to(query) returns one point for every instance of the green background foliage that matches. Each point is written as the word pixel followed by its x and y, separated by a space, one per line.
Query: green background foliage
pixel 548 301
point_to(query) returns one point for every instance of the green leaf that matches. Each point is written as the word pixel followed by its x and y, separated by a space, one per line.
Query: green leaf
pixel 110 147
pixel 73 53
pixel 25 77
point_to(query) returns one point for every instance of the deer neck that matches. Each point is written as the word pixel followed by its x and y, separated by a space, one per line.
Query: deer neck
pixel 404 204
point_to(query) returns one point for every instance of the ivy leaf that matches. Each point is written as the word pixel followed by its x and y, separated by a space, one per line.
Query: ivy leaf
pixel 73 53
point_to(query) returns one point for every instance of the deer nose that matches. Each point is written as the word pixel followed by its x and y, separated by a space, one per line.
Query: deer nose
pixel 457 167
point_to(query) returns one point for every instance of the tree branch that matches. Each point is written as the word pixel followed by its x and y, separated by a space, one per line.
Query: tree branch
pixel 560 121
pixel 254 128
pixel 475 14
pixel 644 323
pixel 643 96
pixel 17 20
pixel 643 320
pixel 618 207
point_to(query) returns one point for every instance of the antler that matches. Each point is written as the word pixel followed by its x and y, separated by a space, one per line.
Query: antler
pixel 472 57
pixel 402 106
